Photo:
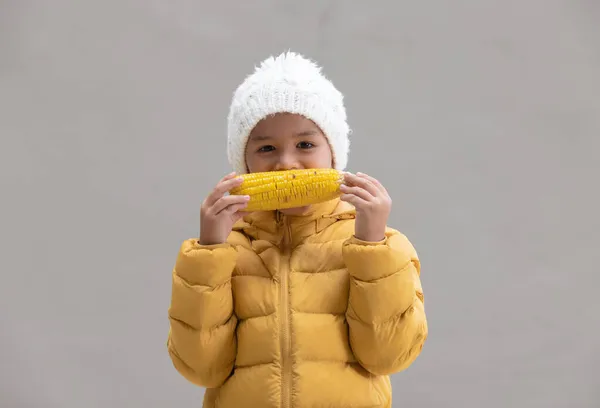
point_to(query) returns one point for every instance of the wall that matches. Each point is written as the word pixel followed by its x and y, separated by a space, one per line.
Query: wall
pixel 481 117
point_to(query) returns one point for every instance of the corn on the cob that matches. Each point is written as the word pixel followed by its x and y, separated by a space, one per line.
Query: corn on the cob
pixel 277 190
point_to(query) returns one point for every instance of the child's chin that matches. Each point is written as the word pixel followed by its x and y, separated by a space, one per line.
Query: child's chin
pixel 295 210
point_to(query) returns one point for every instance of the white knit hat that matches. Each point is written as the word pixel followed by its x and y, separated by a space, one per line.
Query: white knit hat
pixel 287 83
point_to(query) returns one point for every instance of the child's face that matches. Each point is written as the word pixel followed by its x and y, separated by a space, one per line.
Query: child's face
pixel 284 142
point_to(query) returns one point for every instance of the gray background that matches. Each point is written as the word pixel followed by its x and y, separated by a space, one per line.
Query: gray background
pixel 481 117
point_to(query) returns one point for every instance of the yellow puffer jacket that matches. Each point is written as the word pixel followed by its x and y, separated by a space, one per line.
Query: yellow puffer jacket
pixel 294 312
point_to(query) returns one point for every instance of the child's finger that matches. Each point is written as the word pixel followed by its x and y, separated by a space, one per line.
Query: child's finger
pixel 224 203
pixel 221 188
pixel 373 180
pixel 227 176
pixel 354 200
pixel 237 214
pixel 235 209
pixel 357 191
pixel 365 184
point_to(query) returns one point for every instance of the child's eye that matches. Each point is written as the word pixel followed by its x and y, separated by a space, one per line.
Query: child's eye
pixel 305 145
pixel 265 149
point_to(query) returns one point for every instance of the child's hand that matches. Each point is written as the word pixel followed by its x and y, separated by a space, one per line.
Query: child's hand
pixel 372 203
pixel 219 211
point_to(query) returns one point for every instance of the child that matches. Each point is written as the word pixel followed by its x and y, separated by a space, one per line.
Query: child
pixel 307 307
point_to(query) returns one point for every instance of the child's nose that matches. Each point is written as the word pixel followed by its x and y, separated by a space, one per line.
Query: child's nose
pixel 286 163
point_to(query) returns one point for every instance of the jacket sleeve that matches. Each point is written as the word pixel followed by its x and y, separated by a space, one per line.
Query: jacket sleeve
pixel 201 340
pixel 386 315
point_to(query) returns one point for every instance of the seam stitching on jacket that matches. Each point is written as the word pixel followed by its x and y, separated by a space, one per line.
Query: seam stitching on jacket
pixel 210 288
pixel 343 268
pixel 395 316
pixel 241 319
pixel 204 328
pixel 400 270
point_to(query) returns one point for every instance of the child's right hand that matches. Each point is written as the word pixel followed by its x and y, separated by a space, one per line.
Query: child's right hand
pixel 219 212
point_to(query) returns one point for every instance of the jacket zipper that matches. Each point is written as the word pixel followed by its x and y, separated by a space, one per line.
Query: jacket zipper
pixel 286 370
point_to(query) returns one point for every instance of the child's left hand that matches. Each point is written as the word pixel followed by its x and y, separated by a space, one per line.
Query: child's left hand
pixel 372 202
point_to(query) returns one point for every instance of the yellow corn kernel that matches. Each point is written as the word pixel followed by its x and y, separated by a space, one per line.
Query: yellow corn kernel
pixel 277 190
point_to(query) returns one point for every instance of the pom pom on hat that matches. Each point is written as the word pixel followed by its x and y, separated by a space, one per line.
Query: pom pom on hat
pixel 287 83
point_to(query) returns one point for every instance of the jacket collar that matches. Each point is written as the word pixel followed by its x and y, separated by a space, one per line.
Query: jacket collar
pixel 271 225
